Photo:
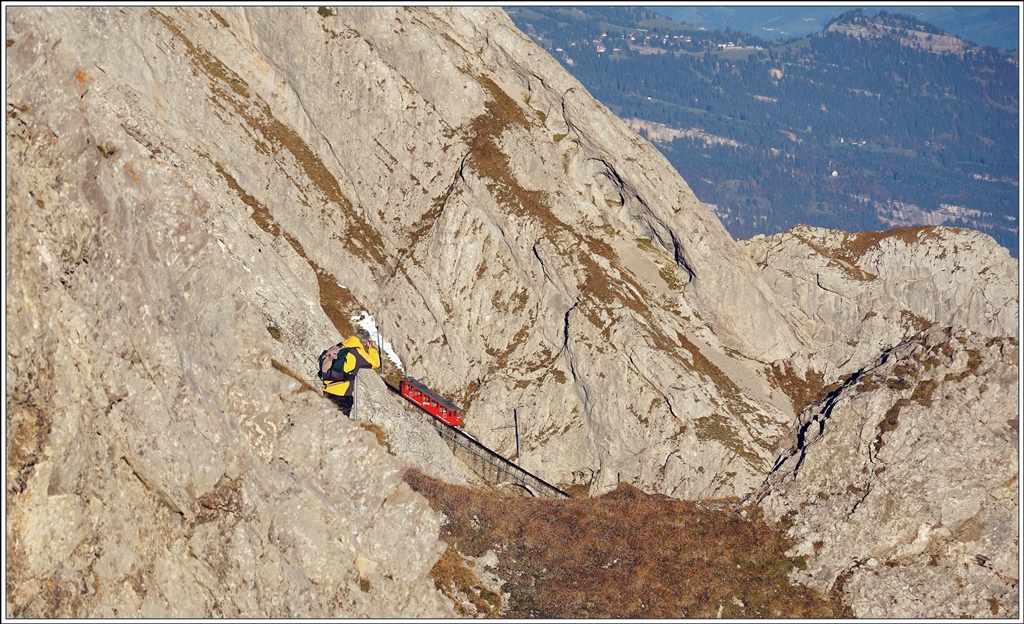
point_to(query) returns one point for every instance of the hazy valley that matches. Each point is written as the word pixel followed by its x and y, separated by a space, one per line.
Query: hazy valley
pixel 873 122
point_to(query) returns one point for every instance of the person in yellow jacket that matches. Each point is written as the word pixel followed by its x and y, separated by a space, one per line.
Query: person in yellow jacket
pixel 339 365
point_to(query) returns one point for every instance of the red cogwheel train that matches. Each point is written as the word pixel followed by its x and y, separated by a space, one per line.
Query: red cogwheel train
pixel 441 409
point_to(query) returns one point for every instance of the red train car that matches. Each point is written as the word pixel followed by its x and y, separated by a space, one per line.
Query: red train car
pixel 431 403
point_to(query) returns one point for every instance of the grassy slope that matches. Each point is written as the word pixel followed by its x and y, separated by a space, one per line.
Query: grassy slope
pixel 625 554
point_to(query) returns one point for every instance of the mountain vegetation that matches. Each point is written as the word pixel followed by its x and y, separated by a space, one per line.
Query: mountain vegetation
pixel 875 122
pixel 624 554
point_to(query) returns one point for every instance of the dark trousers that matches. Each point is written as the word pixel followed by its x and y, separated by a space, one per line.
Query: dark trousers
pixel 344 403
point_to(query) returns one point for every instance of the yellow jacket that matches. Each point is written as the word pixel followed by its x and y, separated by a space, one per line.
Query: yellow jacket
pixel 356 357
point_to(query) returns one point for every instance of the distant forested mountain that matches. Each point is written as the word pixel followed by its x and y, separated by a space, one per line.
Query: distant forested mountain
pixel 873 122
pixel 996 26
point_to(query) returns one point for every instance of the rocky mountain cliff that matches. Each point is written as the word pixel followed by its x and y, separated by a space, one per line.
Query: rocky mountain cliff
pixel 857 294
pixel 903 484
pixel 909 32
pixel 200 199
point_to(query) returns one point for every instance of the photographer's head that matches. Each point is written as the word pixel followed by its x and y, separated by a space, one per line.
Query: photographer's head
pixel 364 337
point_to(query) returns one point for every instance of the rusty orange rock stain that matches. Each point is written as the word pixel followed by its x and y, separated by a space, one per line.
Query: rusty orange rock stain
pixel 129 171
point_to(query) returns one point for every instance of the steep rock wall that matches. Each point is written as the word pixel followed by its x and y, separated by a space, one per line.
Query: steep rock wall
pixel 407 431
pixel 524 286
pixel 198 200
pixel 517 243
pixel 857 294
pixel 902 486
pixel 162 461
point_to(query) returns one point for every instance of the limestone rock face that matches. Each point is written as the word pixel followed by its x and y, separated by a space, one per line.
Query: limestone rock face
pixel 902 486
pixel 554 264
pixel 407 430
pixel 857 294
pixel 518 245
pixel 161 463
pixel 198 201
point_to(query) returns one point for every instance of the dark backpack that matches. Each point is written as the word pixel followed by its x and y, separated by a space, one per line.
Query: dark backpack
pixel 336 372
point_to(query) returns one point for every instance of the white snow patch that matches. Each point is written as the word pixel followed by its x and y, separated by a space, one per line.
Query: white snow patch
pixel 365 321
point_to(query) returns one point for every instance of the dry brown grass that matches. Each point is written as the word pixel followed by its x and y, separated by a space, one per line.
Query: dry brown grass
pixel 802 392
pixel 913 322
pixel 576 490
pixel 702 364
pixel 282 368
pixel 31 428
pixel 220 19
pixel 456 580
pixel 627 554
pixel 923 392
pixel 379 433
pixel 890 422
pixel 485 131
pixel 844 258
pixel 855 244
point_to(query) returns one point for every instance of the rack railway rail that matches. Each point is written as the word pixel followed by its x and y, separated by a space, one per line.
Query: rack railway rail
pixel 492 468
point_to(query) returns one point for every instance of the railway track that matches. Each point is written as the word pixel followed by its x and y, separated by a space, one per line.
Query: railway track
pixel 493 468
